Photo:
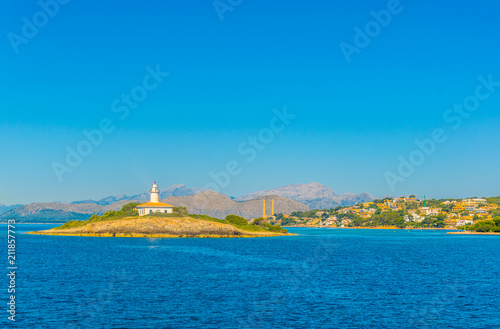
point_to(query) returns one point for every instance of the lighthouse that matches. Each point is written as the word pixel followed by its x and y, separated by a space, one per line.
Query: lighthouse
pixel 155 193
pixel 154 205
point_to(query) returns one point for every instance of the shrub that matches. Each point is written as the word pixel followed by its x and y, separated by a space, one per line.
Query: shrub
pixel 258 221
pixel 237 220
pixel 276 228
pixel 181 210
pixel 162 214
pixel 71 224
pixel 129 207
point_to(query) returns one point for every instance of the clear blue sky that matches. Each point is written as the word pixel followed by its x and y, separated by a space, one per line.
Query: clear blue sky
pixel 353 120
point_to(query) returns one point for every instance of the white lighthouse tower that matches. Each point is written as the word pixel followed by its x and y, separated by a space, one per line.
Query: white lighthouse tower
pixel 155 193
pixel 154 205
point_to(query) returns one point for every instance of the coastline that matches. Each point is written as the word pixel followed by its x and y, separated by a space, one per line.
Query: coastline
pixel 474 233
pixel 374 228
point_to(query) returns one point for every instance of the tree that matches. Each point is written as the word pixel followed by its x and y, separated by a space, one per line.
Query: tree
pixel 495 200
pixel 496 220
pixel 357 221
pixel 236 220
pixel 259 221
pixel 129 206
pixel 484 228
pixel 495 212
pixel 446 208
pixel 400 223
pixel 439 221
pixel 180 210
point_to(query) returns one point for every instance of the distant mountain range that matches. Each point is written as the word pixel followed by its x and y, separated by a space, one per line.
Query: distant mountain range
pixel 174 190
pixel 314 195
pixel 52 212
pixel 219 206
pixel 4 208
pixel 290 198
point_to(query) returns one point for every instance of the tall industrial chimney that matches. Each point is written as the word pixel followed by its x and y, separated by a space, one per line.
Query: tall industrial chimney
pixel 264 210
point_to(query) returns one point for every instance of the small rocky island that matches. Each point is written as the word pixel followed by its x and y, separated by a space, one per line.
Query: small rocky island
pixel 127 223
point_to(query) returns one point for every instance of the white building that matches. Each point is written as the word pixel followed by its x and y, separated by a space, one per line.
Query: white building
pixel 463 222
pixel 418 218
pixel 475 201
pixel 154 205
pixel 429 211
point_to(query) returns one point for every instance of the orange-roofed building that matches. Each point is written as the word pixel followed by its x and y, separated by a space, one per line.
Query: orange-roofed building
pixel 154 205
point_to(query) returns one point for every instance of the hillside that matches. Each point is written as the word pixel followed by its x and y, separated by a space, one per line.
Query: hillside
pixel 57 212
pixel 314 195
pixel 126 223
pixel 494 200
pixel 5 208
pixel 218 205
pixel 174 190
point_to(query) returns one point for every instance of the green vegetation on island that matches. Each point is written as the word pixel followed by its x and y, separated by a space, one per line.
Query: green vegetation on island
pixel 127 210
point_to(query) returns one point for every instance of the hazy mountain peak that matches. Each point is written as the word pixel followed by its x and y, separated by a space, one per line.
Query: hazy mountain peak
pixel 295 191
pixel 314 195
pixel 4 208
pixel 173 190
pixel 219 205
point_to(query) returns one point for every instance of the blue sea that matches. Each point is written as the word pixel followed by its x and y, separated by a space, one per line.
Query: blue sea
pixel 321 278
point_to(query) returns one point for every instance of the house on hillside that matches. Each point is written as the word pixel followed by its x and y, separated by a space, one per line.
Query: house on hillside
pixel 430 211
pixel 463 222
pixel 418 218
